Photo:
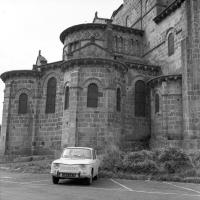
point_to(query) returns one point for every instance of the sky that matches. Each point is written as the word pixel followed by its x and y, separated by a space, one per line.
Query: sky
pixel 27 26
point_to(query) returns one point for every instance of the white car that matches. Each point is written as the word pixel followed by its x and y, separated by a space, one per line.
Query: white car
pixel 76 163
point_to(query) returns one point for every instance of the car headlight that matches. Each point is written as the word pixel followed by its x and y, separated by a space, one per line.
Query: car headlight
pixel 56 165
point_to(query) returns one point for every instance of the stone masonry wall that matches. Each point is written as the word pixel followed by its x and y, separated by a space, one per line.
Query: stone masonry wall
pixel 21 126
pixel 49 125
pixel 191 77
pixel 155 46
pixel 167 124
pixel 99 127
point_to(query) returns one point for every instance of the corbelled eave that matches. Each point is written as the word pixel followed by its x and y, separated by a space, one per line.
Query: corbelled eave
pixel 160 79
pixel 166 12
pixel 19 73
pixel 79 27
pixel 152 69
pixel 94 61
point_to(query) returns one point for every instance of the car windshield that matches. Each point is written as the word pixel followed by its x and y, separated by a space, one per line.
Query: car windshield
pixel 77 153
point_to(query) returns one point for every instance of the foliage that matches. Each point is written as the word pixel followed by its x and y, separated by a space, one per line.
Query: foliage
pixel 174 160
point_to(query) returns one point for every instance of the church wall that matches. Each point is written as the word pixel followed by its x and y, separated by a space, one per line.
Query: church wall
pixel 167 124
pixel 136 132
pixel 49 125
pixel 20 130
pixel 100 127
pixel 191 77
pixel 156 39
pixel 155 46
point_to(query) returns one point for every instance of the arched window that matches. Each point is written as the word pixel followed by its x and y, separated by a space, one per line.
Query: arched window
pixel 157 103
pixel 116 43
pixel 23 103
pixel 128 22
pixel 118 97
pixel 170 44
pixel 140 99
pixel 51 95
pixel 92 96
pixel 66 97
pixel 121 44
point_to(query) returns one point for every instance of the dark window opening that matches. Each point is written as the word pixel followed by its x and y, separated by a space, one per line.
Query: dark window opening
pixel 51 96
pixel 140 99
pixel 66 98
pixel 92 96
pixel 157 103
pixel 170 44
pixel 23 103
pixel 118 99
pixel 116 43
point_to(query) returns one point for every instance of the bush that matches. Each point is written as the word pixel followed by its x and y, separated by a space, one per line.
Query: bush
pixel 195 158
pixel 112 161
pixel 140 162
pixel 174 160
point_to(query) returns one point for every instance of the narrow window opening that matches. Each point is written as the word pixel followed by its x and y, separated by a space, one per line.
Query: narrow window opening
pixel 51 96
pixel 92 96
pixel 23 101
pixel 140 99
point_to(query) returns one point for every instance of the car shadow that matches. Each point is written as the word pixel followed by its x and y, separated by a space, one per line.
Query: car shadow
pixel 73 182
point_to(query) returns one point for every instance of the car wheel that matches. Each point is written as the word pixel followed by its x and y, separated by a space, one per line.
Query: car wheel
pixel 89 180
pixel 96 177
pixel 55 180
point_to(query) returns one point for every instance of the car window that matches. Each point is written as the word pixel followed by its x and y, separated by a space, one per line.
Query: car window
pixel 77 153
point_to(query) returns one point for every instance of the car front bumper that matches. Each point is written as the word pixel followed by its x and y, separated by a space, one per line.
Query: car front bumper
pixel 70 175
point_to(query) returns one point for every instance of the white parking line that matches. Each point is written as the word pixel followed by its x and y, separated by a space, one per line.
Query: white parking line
pixel 148 192
pixel 6 177
pixel 22 183
pixel 127 188
pixel 185 188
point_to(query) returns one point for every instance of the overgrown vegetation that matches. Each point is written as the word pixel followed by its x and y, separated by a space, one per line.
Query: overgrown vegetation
pixel 170 164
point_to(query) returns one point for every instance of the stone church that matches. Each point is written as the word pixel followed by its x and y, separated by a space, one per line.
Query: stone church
pixel 131 81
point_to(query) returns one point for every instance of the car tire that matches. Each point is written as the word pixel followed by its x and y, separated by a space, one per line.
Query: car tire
pixel 96 177
pixel 89 180
pixel 55 180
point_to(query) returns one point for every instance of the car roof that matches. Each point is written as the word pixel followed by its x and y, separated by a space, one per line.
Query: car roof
pixel 89 148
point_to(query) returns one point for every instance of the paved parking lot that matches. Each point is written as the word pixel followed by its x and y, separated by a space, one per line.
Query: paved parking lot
pixel 39 187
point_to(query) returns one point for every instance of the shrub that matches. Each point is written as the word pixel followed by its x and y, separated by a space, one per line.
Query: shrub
pixel 140 162
pixel 174 160
pixel 112 161
pixel 195 158
pixel 137 156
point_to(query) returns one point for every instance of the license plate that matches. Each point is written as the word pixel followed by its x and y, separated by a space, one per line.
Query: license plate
pixel 68 175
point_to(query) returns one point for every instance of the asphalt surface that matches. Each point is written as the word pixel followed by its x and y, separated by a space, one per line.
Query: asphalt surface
pixel 15 186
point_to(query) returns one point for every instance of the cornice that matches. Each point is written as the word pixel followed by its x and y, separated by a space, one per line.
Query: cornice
pixel 19 73
pixel 79 27
pixel 94 62
pixel 160 79
pixel 171 8
pixel 155 70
